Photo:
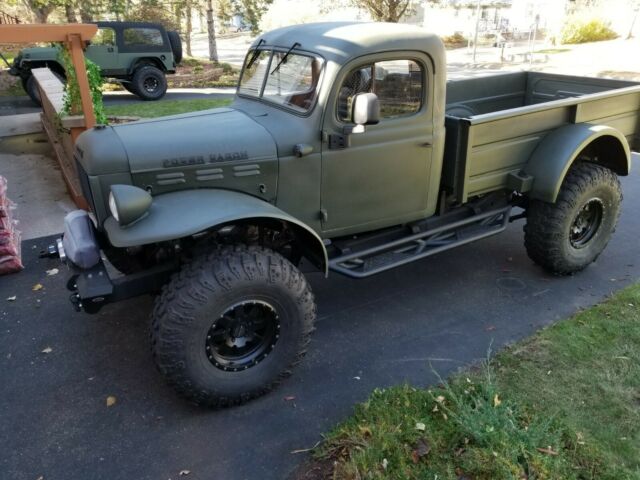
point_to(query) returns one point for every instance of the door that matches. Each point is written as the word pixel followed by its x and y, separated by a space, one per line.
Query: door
pixel 381 177
pixel 103 51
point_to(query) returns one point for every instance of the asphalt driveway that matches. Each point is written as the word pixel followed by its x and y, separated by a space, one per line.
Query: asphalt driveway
pixel 442 313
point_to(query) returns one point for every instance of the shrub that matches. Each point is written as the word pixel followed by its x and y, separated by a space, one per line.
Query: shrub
pixel 580 30
pixel 456 40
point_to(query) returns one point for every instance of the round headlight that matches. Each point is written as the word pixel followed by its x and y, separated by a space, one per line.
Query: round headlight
pixel 113 207
pixel 128 204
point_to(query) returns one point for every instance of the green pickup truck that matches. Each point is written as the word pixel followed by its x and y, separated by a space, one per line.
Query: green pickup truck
pixel 138 55
pixel 345 149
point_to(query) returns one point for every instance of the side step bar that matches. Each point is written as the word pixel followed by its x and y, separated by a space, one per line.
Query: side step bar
pixel 376 259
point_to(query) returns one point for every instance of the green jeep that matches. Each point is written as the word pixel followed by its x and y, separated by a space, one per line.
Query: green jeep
pixel 138 55
pixel 345 149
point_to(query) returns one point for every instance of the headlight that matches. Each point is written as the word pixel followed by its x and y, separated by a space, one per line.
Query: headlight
pixel 128 204
pixel 112 207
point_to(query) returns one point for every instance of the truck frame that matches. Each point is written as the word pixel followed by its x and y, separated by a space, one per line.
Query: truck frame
pixel 344 147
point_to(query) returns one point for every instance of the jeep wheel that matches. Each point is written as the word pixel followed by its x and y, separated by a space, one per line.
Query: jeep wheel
pixel 230 325
pixel 568 235
pixel 128 86
pixel 149 83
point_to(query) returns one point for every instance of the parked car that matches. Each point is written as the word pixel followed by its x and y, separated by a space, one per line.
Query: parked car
pixel 136 54
pixel 344 146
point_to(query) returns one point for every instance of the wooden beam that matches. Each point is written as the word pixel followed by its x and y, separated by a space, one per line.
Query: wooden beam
pixel 29 33
pixel 74 44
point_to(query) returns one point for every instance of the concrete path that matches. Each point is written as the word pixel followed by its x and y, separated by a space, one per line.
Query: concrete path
pixel 440 313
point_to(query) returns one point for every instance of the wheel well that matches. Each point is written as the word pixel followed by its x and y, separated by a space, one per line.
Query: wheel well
pixel 154 62
pixel 607 151
pixel 299 241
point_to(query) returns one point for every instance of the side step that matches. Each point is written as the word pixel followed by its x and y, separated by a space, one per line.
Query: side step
pixel 376 259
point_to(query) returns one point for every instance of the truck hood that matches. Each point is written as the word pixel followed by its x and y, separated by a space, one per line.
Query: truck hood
pixel 175 143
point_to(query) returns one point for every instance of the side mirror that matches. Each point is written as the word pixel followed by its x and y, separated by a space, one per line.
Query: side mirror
pixel 366 110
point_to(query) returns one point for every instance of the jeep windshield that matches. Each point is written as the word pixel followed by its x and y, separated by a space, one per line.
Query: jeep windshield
pixel 289 80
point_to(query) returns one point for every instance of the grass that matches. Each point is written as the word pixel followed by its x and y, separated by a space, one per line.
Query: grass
pixel 564 404
pixel 164 107
pixel 553 50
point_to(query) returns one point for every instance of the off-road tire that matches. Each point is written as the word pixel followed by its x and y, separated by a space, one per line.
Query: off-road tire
pixel 145 74
pixel 200 293
pixel 550 225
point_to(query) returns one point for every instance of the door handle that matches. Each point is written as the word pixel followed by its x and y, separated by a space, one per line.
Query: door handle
pixel 110 49
pixel 426 144
pixel 302 149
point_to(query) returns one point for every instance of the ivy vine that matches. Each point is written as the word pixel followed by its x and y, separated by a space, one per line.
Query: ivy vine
pixel 72 104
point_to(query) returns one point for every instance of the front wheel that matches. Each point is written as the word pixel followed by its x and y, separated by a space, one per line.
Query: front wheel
pixel 231 324
pixel 566 236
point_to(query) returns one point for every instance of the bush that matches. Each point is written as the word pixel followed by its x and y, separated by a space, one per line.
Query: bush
pixel 578 30
pixel 456 40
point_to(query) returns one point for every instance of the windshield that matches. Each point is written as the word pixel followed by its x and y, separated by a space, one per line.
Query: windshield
pixel 291 82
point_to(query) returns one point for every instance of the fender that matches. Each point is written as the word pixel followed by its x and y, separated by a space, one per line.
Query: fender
pixel 551 160
pixel 183 213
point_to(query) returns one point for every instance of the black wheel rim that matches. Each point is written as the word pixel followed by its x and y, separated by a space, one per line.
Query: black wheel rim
pixel 150 84
pixel 243 335
pixel 586 223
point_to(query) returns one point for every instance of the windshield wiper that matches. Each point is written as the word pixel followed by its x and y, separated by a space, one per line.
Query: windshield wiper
pixel 256 52
pixel 284 59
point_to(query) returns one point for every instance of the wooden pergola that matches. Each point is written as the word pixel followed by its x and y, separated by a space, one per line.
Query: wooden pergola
pixel 74 36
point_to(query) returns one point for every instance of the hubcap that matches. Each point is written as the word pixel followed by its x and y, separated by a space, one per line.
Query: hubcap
pixel 243 335
pixel 586 223
pixel 150 84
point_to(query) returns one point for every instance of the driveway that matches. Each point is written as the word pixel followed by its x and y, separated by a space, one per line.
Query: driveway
pixel 441 313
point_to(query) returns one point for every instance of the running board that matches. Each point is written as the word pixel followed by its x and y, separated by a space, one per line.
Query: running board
pixel 369 261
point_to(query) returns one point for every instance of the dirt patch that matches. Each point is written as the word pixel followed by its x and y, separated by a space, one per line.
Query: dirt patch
pixel 314 469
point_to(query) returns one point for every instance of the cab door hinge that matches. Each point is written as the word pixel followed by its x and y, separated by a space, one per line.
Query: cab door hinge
pixel 324 216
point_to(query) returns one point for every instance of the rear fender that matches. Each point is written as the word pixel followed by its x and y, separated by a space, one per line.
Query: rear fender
pixel 551 160
pixel 184 213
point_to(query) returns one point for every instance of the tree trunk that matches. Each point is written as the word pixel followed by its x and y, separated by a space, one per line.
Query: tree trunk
pixel 86 11
pixel 189 13
pixel 40 12
pixel 213 48
pixel 69 12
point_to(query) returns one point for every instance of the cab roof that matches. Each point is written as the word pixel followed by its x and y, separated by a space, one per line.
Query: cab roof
pixel 340 41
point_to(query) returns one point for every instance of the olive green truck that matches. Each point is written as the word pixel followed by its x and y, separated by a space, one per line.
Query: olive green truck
pixel 346 149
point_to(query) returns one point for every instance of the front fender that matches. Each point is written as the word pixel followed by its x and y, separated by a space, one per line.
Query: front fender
pixel 550 161
pixel 181 214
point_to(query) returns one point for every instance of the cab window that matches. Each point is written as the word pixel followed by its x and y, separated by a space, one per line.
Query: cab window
pixel 142 36
pixel 104 36
pixel 399 85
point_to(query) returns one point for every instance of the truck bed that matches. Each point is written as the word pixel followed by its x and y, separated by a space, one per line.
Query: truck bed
pixel 494 123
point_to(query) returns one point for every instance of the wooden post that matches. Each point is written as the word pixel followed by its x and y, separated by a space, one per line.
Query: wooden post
pixel 74 44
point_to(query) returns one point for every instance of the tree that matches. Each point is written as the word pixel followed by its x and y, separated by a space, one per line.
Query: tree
pixel 41 9
pixel 252 11
pixel 385 10
pixel 211 31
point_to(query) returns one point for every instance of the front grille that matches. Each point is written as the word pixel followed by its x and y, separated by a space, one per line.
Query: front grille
pixel 84 185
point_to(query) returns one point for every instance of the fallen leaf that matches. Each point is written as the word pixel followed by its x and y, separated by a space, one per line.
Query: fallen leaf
pixel 385 463
pixel 111 401
pixel 12 299
pixel 356 378
pixel 289 398
pixel 47 350
pixel 435 408
pixel 184 472
pixel 53 271
pixel 37 286
pixel 421 449
pixel 490 328
pixel 444 415
pixel 548 451
pixel 496 401
pixel 420 426
pixel 440 399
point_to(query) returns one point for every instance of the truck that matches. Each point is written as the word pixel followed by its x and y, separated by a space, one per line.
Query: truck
pixel 138 55
pixel 344 150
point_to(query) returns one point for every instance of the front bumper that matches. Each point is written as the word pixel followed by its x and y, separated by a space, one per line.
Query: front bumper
pixel 90 283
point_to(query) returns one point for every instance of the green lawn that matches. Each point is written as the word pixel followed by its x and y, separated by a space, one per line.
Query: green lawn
pixel 164 107
pixel 564 404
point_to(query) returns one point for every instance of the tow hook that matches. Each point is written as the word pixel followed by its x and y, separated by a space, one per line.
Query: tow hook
pixel 54 250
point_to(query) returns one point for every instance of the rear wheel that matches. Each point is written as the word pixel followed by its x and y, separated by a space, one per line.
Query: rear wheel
pixel 231 324
pixel 568 235
pixel 149 83
pixel 128 86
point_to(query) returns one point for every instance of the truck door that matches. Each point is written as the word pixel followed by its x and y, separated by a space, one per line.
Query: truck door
pixel 103 51
pixel 380 177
